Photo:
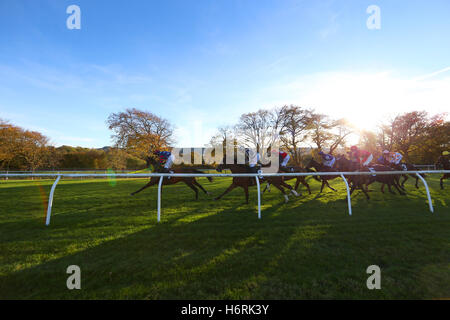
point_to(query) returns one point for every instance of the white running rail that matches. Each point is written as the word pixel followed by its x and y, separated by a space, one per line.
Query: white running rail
pixel 61 174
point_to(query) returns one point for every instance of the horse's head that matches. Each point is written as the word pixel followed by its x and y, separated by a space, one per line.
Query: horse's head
pixel 344 164
pixel 312 164
pixel 151 160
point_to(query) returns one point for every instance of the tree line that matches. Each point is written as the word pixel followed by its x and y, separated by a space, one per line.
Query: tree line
pixel 420 137
pixel 21 149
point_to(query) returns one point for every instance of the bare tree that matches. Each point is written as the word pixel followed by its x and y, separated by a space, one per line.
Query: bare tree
pixel 295 127
pixel 224 135
pixel 259 129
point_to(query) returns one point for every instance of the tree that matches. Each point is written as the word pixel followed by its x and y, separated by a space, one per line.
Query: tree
pixel 259 130
pixel 117 159
pixel 295 125
pixel 368 140
pixel 140 132
pixel 329 133
pixel 32 148
pixel 9 139
pixel 408 131
pixel 224 135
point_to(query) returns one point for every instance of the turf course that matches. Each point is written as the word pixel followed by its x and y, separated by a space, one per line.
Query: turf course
pixel 309 248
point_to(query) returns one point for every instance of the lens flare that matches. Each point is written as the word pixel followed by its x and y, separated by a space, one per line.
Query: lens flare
pixel 111 179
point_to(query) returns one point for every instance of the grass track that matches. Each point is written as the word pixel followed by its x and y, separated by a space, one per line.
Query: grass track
pixel 307 249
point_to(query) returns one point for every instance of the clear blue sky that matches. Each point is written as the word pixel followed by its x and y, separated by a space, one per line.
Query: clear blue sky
pixel 202 63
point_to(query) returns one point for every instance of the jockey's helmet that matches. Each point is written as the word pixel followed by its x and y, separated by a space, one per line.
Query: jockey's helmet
pixel 385 151
pixel 445 153
pixel 354 148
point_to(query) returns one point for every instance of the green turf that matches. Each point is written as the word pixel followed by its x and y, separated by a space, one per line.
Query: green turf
pixel 307 249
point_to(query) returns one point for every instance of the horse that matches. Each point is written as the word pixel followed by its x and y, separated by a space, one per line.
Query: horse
pixel 245 182
pixel 362 181
pixel 444 163
pixel 322 168
pixel 404 167
pixel 191 182
pixel 300 179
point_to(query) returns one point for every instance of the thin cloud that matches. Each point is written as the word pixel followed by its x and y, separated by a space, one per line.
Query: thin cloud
pixel 430 75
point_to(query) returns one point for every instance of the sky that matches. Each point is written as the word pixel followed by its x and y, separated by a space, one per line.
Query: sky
pixel 201 64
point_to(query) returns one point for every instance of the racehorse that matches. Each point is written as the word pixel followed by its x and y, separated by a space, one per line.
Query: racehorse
pixel 191 182
pixel 444 163
pixel 362 181
pixel 321 168
pixel 300 179
pixel 245 182
pixel 404 167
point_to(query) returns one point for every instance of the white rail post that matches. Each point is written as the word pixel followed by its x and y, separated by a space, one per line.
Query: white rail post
pixel 259 197
pixel 428 192
pixel 50 201
pixel 349 200
pixel 159 197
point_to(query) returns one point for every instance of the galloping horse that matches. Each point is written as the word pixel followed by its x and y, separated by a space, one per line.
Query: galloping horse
pixel 321 168
pixel 191 182
pixel 445 163
pixel 245 182
pixel 362 181
pixel 405 167
pixel 300 179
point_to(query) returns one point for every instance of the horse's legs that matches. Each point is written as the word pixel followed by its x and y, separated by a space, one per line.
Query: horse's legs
pixel 328 185
pixel 365 192
pixel 267 186
pixel 382 187
pixel 398 188
pixel 151 183
pixel 195 182
pixel 190 184
pixel 245 187
pixel 441 182
pixel 323 185
pixel 390 189
pixel 417 182
pixel 284 184
pixel 405 176
pixel 303 181
pixel 231 187
pixel 397 181
pixel 279 187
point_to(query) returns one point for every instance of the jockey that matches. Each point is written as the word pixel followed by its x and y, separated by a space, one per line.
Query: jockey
pixel 444 159
pixel 283 160
pixel 327 159
pixel 253 159
pixel 392 157
pixel 382 160
pixel 362 157
pixel 166 158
